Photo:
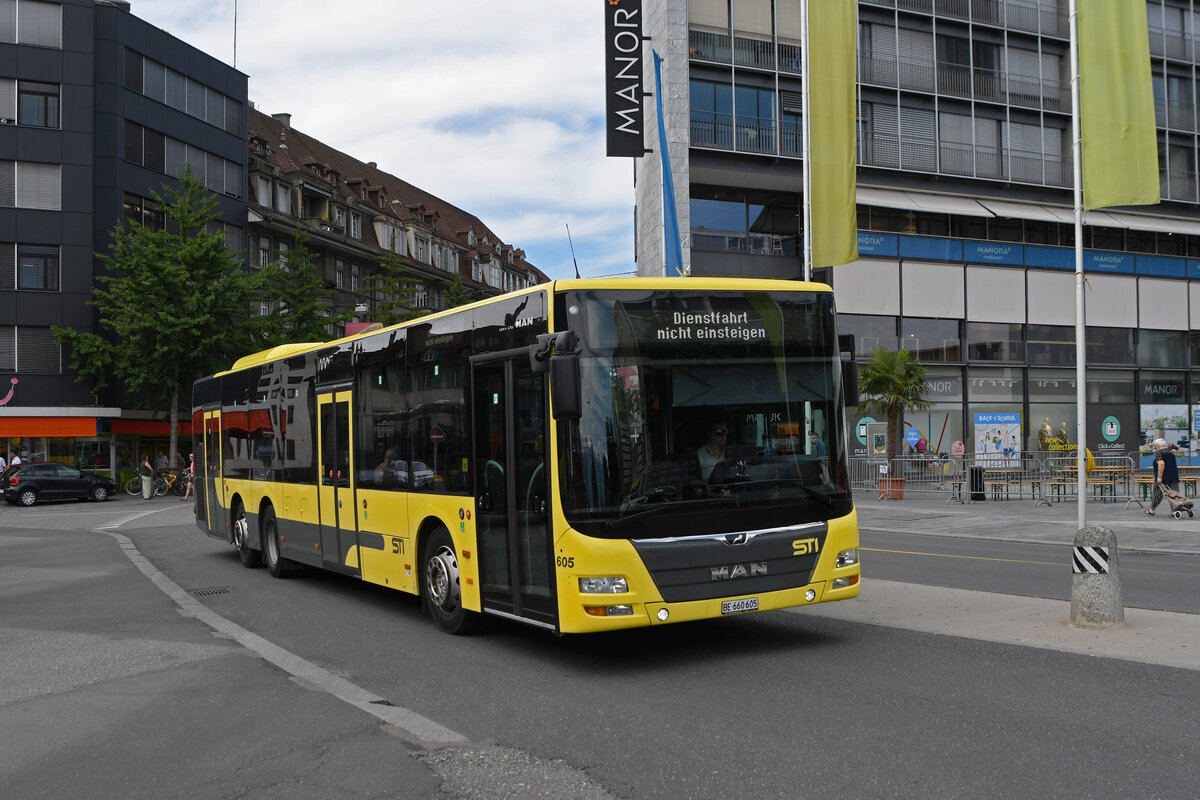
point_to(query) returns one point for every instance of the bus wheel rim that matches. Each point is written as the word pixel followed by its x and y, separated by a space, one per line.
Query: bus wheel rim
pixel 240 528
pixel 442 576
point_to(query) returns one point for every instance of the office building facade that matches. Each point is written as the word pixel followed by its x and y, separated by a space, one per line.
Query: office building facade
pixel 98 112
pixel 965 210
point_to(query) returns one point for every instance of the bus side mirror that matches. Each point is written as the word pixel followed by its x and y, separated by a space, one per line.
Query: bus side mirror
pixel 565 394
pixel 850 382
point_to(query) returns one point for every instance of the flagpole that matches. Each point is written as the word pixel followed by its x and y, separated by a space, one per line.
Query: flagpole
pixel 805 133
pixel 1080 317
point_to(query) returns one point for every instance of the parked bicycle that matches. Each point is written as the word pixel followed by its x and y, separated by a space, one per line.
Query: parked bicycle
pixel 164 481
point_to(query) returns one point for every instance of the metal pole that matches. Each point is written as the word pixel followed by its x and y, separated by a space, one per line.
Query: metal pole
pixel 805 130
pixel 1080 316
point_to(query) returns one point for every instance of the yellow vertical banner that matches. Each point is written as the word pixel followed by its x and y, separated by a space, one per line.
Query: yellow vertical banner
pixel 1116 105
pixel 832 81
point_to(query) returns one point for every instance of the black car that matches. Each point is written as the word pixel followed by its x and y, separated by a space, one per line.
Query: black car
pixel 28 483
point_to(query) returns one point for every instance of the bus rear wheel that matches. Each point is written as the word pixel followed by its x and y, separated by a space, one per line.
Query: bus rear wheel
pixel 277 565
pixel 440 585
pixel 251 558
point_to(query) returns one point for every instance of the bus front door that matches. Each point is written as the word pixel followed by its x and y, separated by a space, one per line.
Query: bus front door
pixel 339 523
pixel 511 490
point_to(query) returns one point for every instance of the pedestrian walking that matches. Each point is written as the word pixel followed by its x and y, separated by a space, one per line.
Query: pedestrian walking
pixel 1166 473
pixel 191 477
pixel 146 473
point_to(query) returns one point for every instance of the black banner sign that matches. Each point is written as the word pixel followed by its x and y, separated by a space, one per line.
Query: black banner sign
pixel 623 77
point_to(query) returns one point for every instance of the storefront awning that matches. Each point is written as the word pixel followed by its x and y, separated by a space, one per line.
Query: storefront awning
pixel 920 201
pixel 148 427
pixel 1139 222
pixel 47 426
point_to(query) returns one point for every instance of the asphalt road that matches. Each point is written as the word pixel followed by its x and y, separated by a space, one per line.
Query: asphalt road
pixel 782 704
pixel 1161 581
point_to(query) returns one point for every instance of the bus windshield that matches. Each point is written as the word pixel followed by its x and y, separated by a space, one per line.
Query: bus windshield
pixel 703 412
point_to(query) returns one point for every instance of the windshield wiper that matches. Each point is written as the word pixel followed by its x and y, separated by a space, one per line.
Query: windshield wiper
pixel 629 516
pixel 789 482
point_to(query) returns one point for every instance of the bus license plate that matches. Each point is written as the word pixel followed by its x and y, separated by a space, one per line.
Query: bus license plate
pixel 739 606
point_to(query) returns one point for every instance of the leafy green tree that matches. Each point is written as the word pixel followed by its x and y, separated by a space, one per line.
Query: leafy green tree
pixel 302 306
pixel 894 383
pixel 172 307
pixel 456 293
pixel 393 288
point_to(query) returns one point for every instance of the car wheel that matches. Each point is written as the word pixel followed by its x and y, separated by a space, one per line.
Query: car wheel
pixel 99 494
pixel 27 497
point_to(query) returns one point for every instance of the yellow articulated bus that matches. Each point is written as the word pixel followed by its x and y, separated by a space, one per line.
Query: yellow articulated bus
pixel 584 455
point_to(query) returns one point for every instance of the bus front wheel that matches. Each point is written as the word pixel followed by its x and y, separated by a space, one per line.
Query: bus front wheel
pixel 440 585
pixel 251 558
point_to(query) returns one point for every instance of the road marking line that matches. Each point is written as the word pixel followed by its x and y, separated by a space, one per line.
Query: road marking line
pixel 969 558
pixel 424 730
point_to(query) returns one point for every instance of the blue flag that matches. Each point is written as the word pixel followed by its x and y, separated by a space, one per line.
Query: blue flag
pixel 673 249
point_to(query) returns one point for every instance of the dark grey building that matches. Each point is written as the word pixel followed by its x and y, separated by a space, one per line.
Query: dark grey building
pixel 98 111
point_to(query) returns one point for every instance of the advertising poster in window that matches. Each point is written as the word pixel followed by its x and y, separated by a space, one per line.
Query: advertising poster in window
pixel 997 438
pixel 1170 422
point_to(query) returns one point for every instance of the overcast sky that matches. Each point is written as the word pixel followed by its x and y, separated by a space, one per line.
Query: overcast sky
pixel 496 107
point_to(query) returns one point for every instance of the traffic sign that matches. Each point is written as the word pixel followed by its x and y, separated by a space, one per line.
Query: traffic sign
pixel 437 435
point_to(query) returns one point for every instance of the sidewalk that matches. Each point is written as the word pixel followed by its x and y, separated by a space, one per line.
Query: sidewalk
pixel 1022 521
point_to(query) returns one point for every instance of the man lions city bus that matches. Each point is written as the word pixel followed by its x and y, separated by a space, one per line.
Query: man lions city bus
pixel 585 455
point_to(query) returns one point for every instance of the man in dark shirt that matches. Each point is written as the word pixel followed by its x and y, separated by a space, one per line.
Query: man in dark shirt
pixel 1166 473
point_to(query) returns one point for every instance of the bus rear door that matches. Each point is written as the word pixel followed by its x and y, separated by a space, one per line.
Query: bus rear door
pixel 208 471
pixel 511 488
pixel 339 523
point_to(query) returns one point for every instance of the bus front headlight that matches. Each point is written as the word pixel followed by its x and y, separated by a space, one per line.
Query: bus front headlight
pixel 847 558
pixel 603 585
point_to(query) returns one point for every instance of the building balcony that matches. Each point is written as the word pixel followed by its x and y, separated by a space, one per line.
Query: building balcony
pixel 709 46
pixel 758 53
pixel 747 135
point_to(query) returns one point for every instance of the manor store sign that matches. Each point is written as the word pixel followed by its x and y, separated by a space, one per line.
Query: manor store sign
pixel 623 77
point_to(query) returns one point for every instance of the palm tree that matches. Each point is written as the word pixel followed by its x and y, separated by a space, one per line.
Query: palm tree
pixel 894 383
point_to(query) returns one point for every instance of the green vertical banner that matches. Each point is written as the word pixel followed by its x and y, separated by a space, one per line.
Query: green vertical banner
pixel 1116 105
pixel 832 82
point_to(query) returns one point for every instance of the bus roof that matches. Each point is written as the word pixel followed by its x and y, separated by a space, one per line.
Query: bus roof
pixel 624 282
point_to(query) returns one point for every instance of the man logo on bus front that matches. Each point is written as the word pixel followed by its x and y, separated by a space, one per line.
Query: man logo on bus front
pixel 737 538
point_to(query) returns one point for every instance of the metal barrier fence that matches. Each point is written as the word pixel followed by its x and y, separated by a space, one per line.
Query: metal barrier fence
pixel 1041 477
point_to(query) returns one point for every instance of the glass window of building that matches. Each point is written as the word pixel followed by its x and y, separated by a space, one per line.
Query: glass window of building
pixel 995 341
pixel 1050 345
pixel 39 23
pixel 1052 409
pixel 870 333
pixel 1161 348
pixel 754 109
pixel 712 114
pixel 718 224
pixel 37 104
pixel 37 267
pixel 931 339
pixel 1110 386
pixel 939 426
pixel 1110 345
pixel 1160 386
pixel 996 385
pixel 752 34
